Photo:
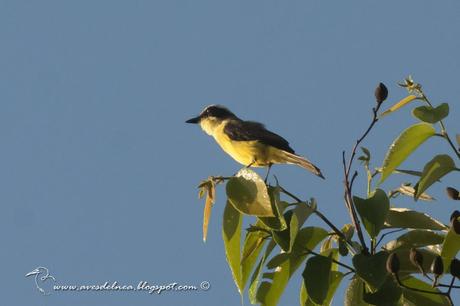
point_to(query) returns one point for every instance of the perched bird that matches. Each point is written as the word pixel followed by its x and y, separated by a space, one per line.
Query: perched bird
pixel 249 142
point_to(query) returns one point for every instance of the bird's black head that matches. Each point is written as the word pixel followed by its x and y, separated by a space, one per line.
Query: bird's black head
pixel 218 112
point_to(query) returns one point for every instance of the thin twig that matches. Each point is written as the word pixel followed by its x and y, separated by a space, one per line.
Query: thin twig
pixel 332 259
pixel 451 285
pixel 417 289
pixel 318 213
pixel 349 183
pixel 447 286
pixel 351 208
pixel 383 236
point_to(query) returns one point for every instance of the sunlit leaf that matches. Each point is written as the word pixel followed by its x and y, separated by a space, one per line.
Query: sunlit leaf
pixel 326 245
pixel 419 298
pixel 406 143
pixel 398 105
pixel 270 290
pixel 371 268
pixel 210 189
pixel 303 211
pixel 348 230
pixel 450 247
pixel 276 222
pixel 253 245
pixel 278 260
pixel 415 239
pixel 247 192
pixel 354 293
pixel 285 239
pixel 406 218
pixel 254 283
pixel 231 234
pixel 439 166
pixel 388 294
pixel 410 191
pixel 429 114
pixel 373 211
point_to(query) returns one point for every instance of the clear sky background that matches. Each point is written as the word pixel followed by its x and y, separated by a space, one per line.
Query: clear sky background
pixel 99 171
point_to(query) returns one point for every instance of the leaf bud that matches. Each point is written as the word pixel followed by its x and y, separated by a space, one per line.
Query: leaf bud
pixel 454 223
pixel 393 264
pixel 416 258
pixel 381 93
pixel 437 267
pixel 455 268
pixel 453 193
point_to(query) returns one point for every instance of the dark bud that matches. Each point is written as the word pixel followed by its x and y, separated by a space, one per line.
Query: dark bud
pixel 393 263
pixel 453 193
pixel 343 250
pixel 437 267
pixel 416 258
pixel 455 268
pixel 381 93
pixel 454 215
pixel 454 223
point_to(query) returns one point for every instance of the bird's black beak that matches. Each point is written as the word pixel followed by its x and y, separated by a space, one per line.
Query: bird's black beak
pixel 194 120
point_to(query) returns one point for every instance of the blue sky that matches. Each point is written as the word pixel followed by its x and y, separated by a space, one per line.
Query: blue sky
pixel 99 171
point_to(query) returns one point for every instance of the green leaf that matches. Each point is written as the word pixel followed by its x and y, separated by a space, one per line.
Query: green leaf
pixel 371 268
pixel 303 295
pixel 406 218
pixel 388 294
pixel 354 293
pixel 278 260
pixel 270 291
pixel 431 115
pixel 458 139
pixel 334 281
pixel 373 211
pixel 285 239
pixel 316 276
pixel 247 192
pixel 406 143
pixel 415 239
pixel 419 298
pixel 410 172
pixel 254 283
pixel 439 166
pixel 398 105
pixel 450 247
pixel 407 267
pixel 253 245
pixel 348 230
pixel 303 211
pixel 231 234
pixel 277 222
pixel 410 191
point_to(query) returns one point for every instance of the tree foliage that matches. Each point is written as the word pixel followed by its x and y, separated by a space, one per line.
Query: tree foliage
pixel 416 267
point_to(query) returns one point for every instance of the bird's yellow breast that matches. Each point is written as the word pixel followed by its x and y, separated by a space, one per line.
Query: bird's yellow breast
pixel 245 152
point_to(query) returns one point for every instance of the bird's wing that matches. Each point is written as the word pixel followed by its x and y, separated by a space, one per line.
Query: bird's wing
pixel 239 130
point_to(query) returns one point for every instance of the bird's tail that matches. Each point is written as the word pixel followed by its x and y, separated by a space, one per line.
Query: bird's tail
pixel 302 162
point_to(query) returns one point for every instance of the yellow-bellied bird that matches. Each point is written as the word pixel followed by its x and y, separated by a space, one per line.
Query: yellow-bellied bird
pixel 249 142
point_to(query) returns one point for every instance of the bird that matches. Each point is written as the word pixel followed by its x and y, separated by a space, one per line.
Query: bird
pixel 249 142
